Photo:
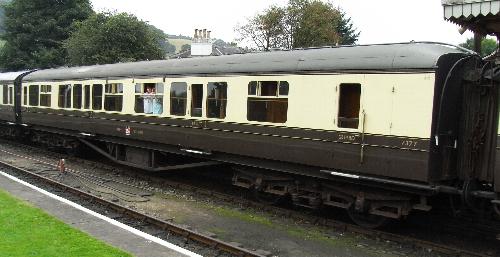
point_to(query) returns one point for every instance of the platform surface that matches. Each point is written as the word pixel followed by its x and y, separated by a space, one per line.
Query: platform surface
pixel 107 230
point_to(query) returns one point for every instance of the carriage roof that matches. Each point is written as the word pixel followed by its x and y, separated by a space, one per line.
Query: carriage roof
pixel 401 56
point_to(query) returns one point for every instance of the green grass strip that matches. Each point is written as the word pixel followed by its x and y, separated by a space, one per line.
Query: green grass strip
pixel 28 231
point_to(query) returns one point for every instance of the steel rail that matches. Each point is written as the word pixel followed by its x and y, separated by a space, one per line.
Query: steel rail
pixel 339 225
pixel 164 225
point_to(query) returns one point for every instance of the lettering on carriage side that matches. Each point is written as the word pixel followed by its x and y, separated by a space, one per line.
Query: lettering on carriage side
pixel 409 143
pixel 199 124
pixel 348 137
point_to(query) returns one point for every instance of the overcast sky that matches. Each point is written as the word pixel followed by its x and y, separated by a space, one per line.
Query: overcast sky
pixel 383 21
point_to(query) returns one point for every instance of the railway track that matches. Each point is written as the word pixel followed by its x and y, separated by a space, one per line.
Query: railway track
pixel 327 222
pixel 145 220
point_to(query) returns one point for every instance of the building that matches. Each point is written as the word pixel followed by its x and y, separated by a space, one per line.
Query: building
pixel 482 17
pixel 203 45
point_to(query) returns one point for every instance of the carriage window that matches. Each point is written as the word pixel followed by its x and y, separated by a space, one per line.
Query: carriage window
pixel 113 97
pixel 45 95
pixel 77 96
pixel 178 98
pixel 25 95
pixel 269 101
pixel 33 95
pixel 196 100
pixel 11 95
pixel 64 96
pixel 349 105
pixel 97 97
pixel 217 100
pixel 283 88
pixel 86 98
pixel 149 98
pixel 5 94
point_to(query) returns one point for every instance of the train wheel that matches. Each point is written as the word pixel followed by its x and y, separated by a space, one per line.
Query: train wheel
pixel 367 220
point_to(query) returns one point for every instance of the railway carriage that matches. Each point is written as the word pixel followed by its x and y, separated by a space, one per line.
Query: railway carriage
pixel 374 129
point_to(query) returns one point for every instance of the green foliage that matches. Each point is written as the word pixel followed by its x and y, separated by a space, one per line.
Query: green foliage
pixel 185 48
pixel 34 30
pixel 488 45
pixel 167 47
pixel 111 38
pixel 302 23
pixel 26 231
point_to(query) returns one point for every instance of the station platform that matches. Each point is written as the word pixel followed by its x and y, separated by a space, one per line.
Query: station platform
pixel 102 228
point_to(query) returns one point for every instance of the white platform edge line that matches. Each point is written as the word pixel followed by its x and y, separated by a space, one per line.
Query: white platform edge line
pixel 102 217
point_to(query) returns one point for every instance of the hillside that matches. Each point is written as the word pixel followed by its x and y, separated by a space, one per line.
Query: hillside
pixel 178 43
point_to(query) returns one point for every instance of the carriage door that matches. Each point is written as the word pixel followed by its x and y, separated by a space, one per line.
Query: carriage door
pixel 196 100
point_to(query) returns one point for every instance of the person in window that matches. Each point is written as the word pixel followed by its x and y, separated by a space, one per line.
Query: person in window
pixel 157 103
pixel 148 100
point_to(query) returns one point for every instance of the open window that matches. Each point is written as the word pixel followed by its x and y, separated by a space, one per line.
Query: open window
pixel 217 100
pixel 113 97
pixel 349 105
pixel 268 101
pixel 149 98
pixel 97 97
pixel 178 98
pixel 65 96
pixel 45 95
pixel 34 91
pixel 77 96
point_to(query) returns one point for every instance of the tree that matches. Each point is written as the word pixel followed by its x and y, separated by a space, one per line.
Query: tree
pixel 111 38
pixel 167 47
pixel 266 30
pixel 35 30
pixel 185 48
pixel 302 23
pixel 488 45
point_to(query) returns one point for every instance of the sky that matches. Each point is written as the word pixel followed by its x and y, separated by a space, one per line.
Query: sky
pixel 383 21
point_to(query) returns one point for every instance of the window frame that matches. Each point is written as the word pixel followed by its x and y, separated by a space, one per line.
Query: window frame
pixel 25 94
pixel 11 95
pixel 34 96
pixel 46 90
pixel 116 92
pixel 7 95
pixel 224 100
pixel 200 87
pixel 77 105
pixel 93 97
pixel 255 96
pixel 185 99
pixel 159 94
pixel 70 104
pixel 340 119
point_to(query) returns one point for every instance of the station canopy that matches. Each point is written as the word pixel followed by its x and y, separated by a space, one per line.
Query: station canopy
pixel 479 16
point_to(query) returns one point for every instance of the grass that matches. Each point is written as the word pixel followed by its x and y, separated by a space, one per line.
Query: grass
pixel 28 231
pixel 293 230
pixel 243 215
